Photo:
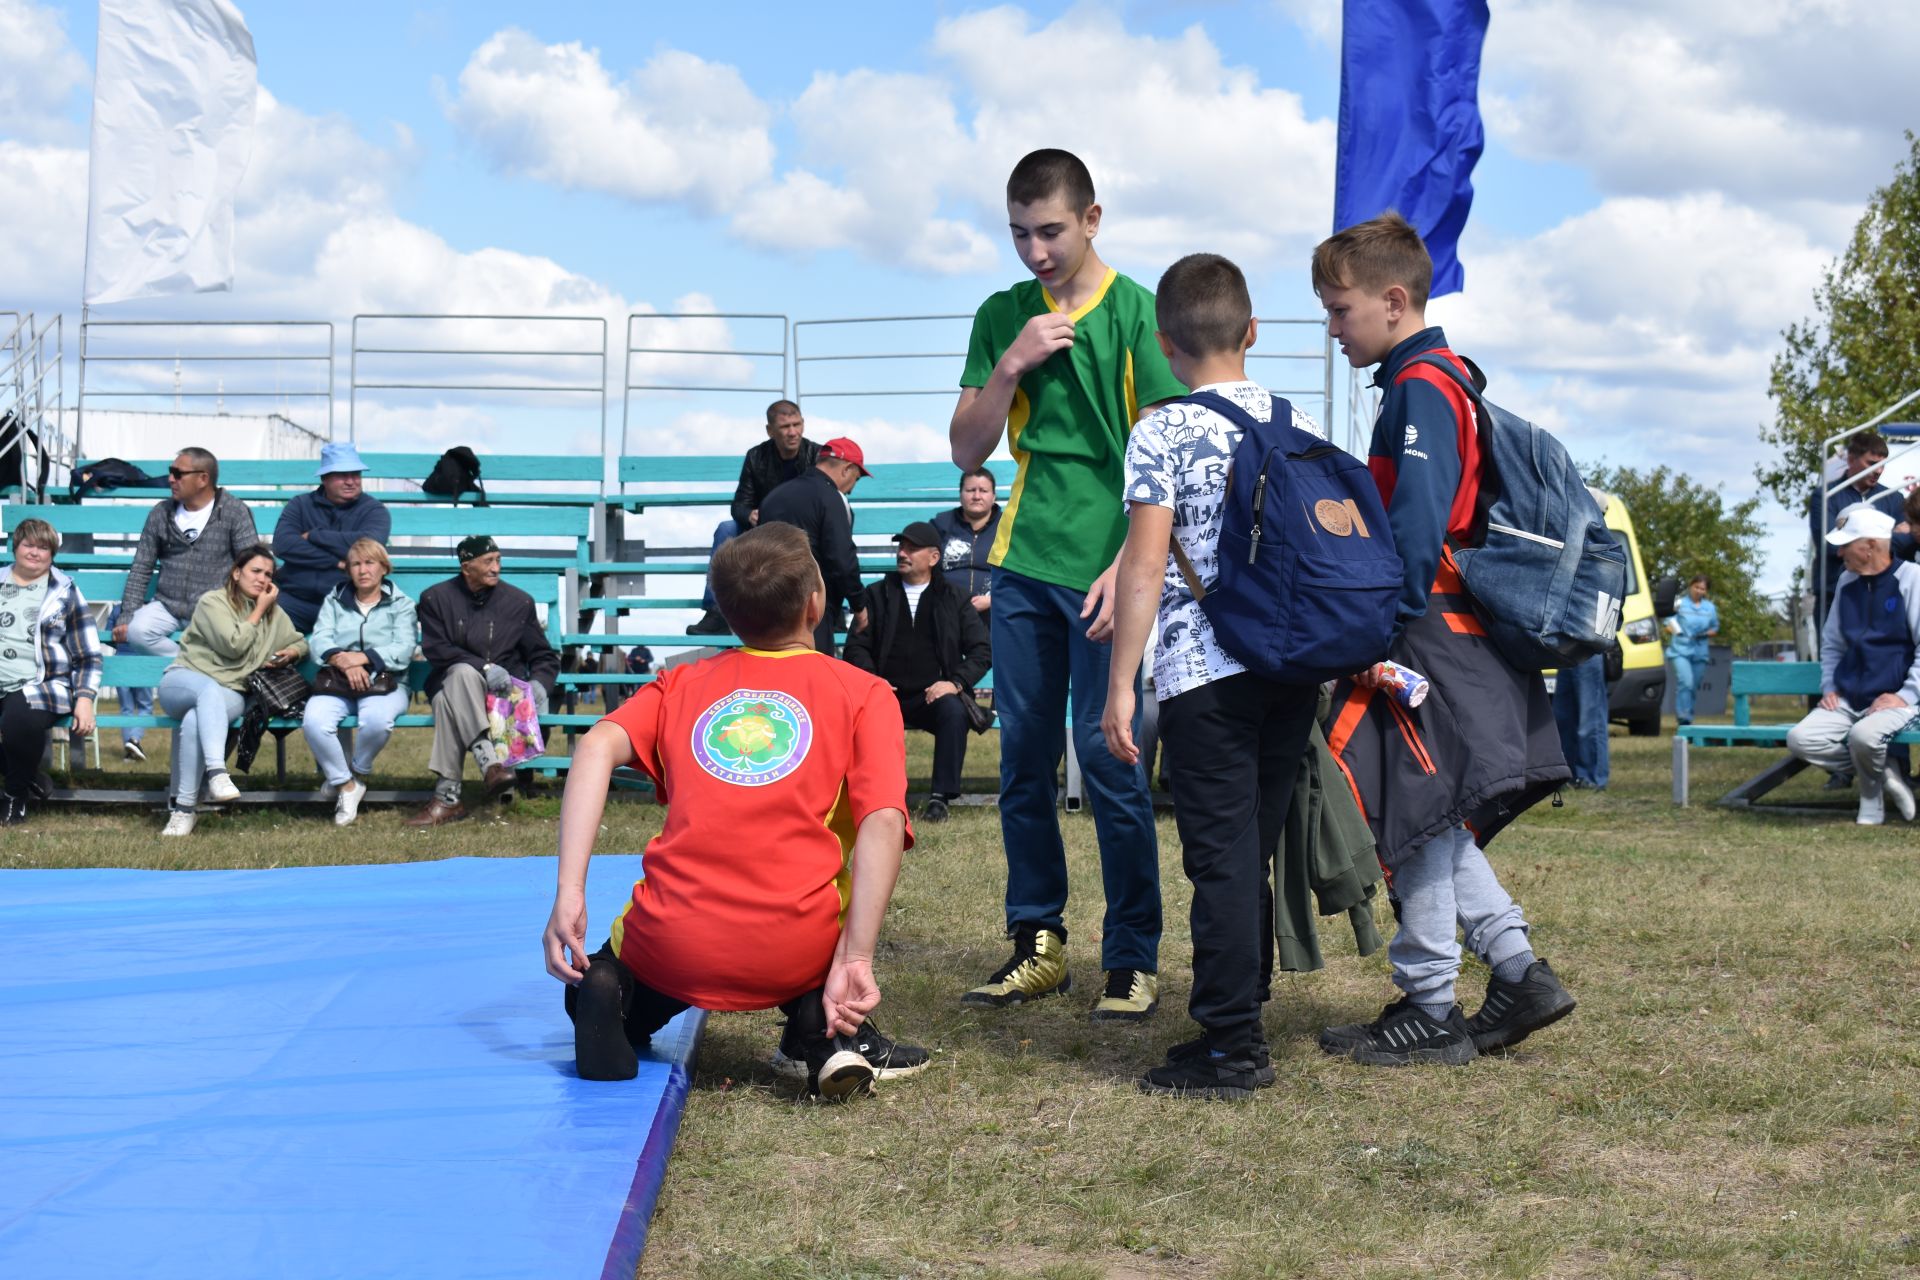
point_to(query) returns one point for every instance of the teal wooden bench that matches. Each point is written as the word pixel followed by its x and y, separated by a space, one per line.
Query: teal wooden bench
pixel 1751 680
pixel 278 479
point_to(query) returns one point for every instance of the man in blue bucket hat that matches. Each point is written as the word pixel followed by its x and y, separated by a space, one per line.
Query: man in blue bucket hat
pixel 315 530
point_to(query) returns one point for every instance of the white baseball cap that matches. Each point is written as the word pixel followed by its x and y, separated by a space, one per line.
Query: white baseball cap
pixel 1861 521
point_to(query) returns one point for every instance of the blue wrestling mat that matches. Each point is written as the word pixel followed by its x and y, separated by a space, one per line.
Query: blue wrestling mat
pixel 329 1071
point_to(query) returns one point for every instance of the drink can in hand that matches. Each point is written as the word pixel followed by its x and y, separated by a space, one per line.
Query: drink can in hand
pixel 1408 687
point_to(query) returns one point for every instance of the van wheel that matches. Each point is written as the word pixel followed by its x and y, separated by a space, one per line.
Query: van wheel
pixel 1644 727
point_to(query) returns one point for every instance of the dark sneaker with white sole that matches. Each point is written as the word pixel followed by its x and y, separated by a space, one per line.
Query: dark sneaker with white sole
pixel 890 1059
pixel 836 1070
pixel 1194 1071
pixel 1403 1035
pixel 1513 1011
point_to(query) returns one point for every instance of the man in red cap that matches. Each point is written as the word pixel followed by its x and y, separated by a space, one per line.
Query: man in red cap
pixel 816 503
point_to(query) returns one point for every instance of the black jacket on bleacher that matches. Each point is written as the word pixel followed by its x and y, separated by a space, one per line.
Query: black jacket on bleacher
pixel 764 470
pixel 962 647
pixel 499 625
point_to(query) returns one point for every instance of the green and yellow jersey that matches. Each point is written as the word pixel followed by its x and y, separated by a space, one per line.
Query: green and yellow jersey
pixel 1069 424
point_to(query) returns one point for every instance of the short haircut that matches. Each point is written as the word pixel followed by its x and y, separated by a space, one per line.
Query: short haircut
pixel 1911 507
pixel 245 556
pixel 1702 579
pixel 204 460
pixel 35 532
pixel 1051 172
pixel 1373 256
pixel 761 581
pixel 982 473
pixel 1202 305
pixel 1865 443
pixel 370 549
pixel 779 407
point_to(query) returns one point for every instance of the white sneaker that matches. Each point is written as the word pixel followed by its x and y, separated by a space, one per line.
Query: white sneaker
pixel 219 786
pixel 347 807
pixel 1872 813
pixel 180 823
pixel 1900 793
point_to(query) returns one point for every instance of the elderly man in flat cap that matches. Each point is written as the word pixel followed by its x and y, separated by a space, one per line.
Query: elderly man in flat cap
pixel 477 633
pixel 1869 665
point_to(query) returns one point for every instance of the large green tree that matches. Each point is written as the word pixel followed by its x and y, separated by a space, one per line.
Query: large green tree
pixel 1686 528
pixel 1861 354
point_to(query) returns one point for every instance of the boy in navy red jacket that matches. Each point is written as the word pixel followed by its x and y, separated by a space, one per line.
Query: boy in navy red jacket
pixel 1437 781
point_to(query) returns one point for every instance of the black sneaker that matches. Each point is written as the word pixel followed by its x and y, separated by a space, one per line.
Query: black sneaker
pixel 1263 1076
pixel 889 1058
pixel 1513 1011
pixel 1194 1071
pixel 1841 781
pixel 936 810
pixel 711 623
pixel 132 752
pixel 836 1070
pixel 13 811
pixel 1402 1036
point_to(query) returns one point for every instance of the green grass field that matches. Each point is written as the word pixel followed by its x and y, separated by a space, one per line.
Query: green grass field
pixel 1738 1094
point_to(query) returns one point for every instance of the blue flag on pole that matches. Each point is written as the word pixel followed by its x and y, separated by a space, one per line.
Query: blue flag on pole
pixel 1410 119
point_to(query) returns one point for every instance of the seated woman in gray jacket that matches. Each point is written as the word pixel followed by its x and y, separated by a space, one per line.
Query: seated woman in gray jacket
pixel 365 636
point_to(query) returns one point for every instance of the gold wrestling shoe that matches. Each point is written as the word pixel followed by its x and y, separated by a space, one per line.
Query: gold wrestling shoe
pixel 1038 968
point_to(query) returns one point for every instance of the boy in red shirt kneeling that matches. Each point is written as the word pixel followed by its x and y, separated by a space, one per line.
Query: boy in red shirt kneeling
pixel 784 776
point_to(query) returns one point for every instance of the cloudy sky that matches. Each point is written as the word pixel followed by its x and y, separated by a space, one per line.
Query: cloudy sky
pixel 1662 187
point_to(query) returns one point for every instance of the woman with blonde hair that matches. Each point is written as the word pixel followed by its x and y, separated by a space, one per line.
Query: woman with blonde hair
pixel 364 636
pixel 236 630
pixel 50 660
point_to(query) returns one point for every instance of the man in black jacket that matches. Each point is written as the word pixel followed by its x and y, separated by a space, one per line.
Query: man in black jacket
pixel 785 455
pixel 925 638
pixel 816 503
pixel 477 634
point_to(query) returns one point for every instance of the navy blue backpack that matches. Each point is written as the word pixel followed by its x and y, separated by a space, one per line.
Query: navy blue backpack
pixel 1547 574
pixel 1309 578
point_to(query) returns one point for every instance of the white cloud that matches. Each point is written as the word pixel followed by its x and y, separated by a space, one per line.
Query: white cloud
pixel 680 128
pixel 909 169
pixel 39 71
pixel 1773 103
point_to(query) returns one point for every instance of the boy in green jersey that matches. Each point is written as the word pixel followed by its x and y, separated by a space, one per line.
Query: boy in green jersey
pixel 1064 364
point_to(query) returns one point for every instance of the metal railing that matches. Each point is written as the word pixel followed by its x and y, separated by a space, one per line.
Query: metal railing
pixel 420 351
pixel 143 373
pixel 698 353
pixel 32 399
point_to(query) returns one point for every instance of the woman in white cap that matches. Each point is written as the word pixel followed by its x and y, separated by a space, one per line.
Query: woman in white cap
pixel 316 529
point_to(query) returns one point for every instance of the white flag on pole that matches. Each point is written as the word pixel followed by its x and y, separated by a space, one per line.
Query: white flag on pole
pixel 174 86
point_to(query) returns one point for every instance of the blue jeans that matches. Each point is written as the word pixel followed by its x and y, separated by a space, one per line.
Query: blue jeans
pixel 1580 709
pixel 320 726
pixel 1686 682
pixel 723 533
pixel 204 708
pixel 150 631
pixel 1041 656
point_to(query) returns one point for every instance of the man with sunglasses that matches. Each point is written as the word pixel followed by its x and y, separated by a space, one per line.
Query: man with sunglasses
pixel 186 549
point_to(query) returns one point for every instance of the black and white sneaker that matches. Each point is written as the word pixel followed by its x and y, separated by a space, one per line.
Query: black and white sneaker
pixel 13 811
pixel 131 752
pixel 890 1059
pixel 1403 1035
pixel 836 1070
pixel 1513 1011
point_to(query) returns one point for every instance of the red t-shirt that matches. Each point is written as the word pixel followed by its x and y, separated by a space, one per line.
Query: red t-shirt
pixel 767 763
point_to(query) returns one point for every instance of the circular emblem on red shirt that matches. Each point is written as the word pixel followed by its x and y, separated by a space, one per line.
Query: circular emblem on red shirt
pixel 753 737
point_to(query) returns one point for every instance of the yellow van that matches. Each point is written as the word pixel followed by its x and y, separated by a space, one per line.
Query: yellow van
pixel 1634 699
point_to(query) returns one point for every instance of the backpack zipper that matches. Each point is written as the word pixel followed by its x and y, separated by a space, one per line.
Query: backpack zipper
pixel 1259 501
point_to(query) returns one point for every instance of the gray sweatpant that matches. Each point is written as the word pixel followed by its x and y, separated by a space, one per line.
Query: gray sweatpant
pixel 1444 884
pixel 1844 738
pixel 460 727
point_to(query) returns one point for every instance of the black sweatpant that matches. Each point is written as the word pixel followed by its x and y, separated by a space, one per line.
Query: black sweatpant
pixel 946 720
pixel 23 741
pixel 1236 746
pixel 647 1010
